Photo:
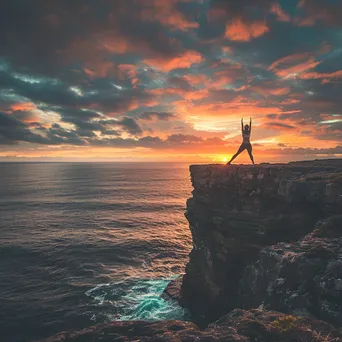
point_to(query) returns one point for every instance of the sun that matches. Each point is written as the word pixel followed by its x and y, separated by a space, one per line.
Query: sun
pixel 220 159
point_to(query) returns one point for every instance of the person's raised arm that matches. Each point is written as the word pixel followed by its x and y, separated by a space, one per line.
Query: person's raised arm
pixel 250 124
pixel 242 125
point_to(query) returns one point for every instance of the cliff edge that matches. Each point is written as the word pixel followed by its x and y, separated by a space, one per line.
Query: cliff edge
pixel 265 235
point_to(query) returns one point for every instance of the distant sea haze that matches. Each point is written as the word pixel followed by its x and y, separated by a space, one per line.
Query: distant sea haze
pixel 84 243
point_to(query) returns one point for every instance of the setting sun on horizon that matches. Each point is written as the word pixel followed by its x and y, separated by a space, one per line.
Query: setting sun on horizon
pixel 220 159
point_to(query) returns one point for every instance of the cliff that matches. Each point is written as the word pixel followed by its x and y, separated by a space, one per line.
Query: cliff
pixel 238 215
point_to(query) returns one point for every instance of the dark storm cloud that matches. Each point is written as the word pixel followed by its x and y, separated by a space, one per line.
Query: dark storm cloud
pixel 85 123
pixel 219 96
pixel 83 120
pixel 308 151
pixel 117 101
pixel 55 93
pixel 173 141
pixel 13 131
pixel 59 135
pixel 22 115
pixel 246 10
pixel 235 8
pixel 59 94
pixel 164 116
pixel 184 138
pixel 129 125
pixel 328 11
pixel 42 36
pixel 69 113
pixel 280 125
pixel 330 131
pixel 312 98
pixel 56 97
pixel 179 82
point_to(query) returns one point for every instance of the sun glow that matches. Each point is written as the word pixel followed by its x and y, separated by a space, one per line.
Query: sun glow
pixel 220 159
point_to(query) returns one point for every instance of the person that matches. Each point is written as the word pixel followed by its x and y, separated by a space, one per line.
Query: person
pixel 246 144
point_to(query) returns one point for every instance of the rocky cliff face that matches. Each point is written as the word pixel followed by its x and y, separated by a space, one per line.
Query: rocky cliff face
pixel 304 277
pixel 238 215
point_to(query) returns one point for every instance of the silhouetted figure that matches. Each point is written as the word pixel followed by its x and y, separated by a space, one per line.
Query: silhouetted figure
pixel 246 144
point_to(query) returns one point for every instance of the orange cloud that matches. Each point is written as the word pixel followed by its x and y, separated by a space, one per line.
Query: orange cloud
pixel 293 65
pixel 327 12
pixel 330 116
pixel 237 108
pixel 52 20
pixel 227 76
pixel 26 116
pixel 325 76
pixel 185 60
pixel 242 31
pixel 166 13
pixel 97 49
pixel 166 91
pixel 196 79
pixel 101 69
pixel 189 95
pixel 280 14
pixel 276 91
pixel 23 106
pixel 309 21
pixel 131 71
pixel 295 58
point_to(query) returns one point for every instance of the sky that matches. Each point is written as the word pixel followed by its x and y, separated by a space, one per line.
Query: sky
pixel 170 80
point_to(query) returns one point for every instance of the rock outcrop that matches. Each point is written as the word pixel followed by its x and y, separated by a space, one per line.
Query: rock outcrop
pixel 237 326
pixel 236 212
pixel 302 277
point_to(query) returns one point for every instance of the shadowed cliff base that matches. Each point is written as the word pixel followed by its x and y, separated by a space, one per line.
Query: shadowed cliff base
pixel 266 235
pixel 237 326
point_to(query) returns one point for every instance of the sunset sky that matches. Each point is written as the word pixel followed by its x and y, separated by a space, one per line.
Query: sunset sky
pixel 169 80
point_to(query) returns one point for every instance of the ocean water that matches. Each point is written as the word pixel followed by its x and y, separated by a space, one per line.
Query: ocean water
pixel 84 243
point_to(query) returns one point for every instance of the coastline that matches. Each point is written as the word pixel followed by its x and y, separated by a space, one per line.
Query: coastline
pixel 257 230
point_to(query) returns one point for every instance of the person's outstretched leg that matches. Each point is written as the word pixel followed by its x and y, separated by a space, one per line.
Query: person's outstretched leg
pixel 241 148
pixel 249 149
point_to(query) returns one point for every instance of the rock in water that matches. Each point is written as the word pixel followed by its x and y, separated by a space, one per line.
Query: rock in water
pixel 174 290
pixel 238 210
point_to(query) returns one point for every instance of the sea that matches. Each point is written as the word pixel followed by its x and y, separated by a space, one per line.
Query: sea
pixel 87 243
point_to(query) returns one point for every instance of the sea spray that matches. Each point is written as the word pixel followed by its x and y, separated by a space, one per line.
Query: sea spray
pixel 136 300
